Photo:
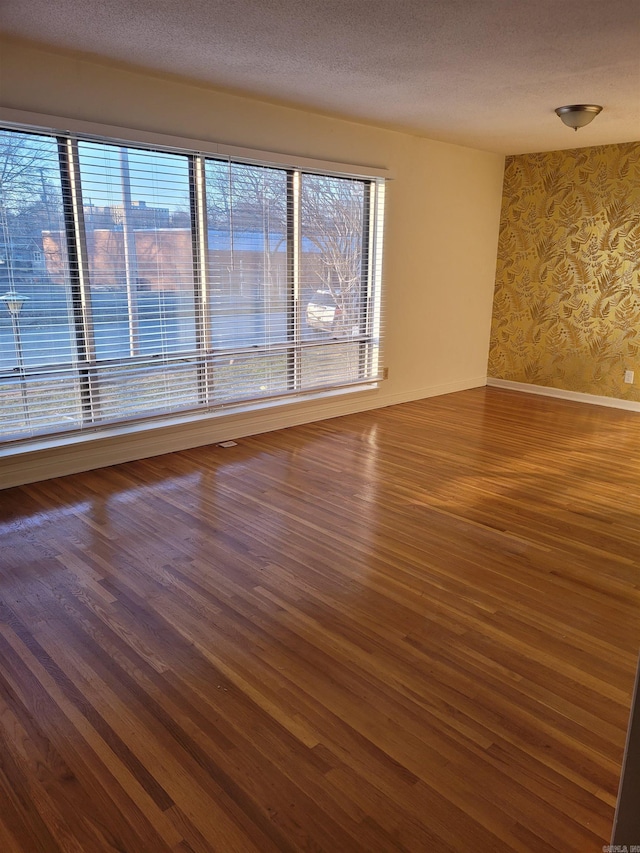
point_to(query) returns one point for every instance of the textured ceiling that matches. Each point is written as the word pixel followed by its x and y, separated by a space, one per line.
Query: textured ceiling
pixel 483 73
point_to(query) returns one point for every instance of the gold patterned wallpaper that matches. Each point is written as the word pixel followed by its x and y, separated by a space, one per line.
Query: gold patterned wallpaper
pixel 566 310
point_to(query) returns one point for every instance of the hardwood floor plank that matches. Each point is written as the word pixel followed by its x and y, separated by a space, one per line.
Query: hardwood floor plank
pixel 404 630
pixel 22 805
pixel 80 794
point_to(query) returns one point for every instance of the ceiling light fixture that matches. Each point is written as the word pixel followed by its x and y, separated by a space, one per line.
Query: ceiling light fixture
pixel 578 115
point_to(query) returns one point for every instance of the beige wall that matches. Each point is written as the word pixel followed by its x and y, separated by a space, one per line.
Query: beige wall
pixel 443 208
pixel 567 308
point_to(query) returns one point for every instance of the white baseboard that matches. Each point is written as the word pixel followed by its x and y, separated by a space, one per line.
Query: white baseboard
pixel 432 391
pixel 575 396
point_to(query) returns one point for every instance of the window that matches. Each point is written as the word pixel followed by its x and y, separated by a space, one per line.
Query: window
pixel 139 282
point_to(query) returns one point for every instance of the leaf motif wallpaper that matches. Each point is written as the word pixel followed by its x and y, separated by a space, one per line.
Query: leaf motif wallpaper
pixel 566 310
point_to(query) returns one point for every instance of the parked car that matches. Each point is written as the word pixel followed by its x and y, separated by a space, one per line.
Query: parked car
pixel 324 314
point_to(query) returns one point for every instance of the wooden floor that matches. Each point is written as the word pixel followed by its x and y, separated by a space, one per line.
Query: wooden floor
pixel 412 629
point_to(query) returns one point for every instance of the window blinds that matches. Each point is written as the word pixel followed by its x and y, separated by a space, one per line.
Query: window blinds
pixel 138 282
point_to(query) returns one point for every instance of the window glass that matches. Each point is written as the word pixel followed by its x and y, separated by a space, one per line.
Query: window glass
pixel 332 226
pixel 36 313
pixel 333 284
pixel 247 241
pixel 249 376
pixel 139 250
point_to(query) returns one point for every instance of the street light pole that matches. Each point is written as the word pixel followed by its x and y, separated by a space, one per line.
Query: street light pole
pixel 14 302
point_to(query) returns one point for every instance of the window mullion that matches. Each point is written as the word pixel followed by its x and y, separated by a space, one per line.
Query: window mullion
pixel 130 255
pixel 374 302
pixel 200 243
pixel 79 276
pixel 366 281
pixel 293 279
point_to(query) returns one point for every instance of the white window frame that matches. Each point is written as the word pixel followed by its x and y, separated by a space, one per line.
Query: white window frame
pixel 69 132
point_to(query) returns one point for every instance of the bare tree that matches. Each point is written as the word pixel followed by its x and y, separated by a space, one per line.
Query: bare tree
pixel 242 198
pixel 30 203
pixel 332 222
pixel 246 206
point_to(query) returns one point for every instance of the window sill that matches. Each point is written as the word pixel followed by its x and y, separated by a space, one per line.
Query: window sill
pixel 140 427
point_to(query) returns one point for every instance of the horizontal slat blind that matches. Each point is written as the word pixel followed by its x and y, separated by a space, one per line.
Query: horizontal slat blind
pixel 333 279
pixel 36 320
pixel 139 282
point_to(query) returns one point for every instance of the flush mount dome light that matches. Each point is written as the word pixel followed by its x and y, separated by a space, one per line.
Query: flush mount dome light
pixel 578 115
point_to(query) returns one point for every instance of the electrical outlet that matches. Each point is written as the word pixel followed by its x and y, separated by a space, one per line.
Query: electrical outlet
pixel 628 377
pixel 385 372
